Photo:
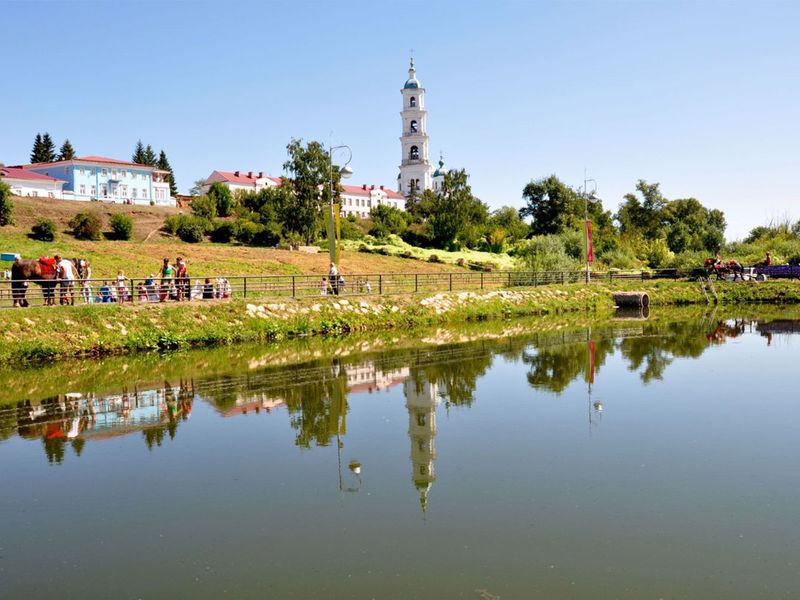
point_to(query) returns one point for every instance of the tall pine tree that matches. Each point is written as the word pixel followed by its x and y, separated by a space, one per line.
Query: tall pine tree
pixel 150 156
pixel 67 152
pixel 164 165
pixel 138 154
pixel 36 151
pixel 48 148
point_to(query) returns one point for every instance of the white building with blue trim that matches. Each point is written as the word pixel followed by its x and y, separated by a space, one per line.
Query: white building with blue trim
pixel 108 180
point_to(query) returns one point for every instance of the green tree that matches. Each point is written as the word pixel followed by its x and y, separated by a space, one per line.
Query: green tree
pixel 552 205
pixel 309 169
pixel 456 213
pixel 6 206
pixel 138 154
pixel 221 196
pixel 164 165
pixel 150 156
pixel 197 188
pixel 388 220
pixel 44 150
pixel 67 152
pixel 204 207
pixel 508 220
pixel 643 217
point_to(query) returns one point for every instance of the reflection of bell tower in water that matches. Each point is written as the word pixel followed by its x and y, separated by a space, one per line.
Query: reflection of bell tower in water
pixel 422 398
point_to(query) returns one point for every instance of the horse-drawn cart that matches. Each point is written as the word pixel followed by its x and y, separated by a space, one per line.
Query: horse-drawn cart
pixel 764 272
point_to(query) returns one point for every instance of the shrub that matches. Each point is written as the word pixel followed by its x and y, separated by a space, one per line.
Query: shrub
pixel 621 258
pixel 246 231
pixel 86 226
pixel 192 229
pixel 268 235
pixel 406 254
pixel 223 232
pixel 546 253
pixel 204 207
pixel 44 230
pixel 434 259
pixel 122 226
pixel 364 248
pixel 172 223
pixel 461 262
pixel 658 254
pixel 6 206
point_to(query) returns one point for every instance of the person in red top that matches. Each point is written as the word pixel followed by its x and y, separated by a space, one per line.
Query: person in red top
pixel 182 279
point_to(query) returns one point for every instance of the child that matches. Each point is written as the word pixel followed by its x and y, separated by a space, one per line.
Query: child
pixel 323 287
pixel 122 289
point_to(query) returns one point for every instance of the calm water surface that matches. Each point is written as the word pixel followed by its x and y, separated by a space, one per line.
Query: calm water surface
pixel 632 459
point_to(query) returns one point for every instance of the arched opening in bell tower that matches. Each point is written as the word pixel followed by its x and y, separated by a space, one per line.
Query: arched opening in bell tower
pixel 413 127
pixel 413 154
pixel 412 102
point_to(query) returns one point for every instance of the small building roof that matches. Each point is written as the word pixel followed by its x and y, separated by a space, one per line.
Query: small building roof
pixel 23 174
pixel 241 177
pixel 366 190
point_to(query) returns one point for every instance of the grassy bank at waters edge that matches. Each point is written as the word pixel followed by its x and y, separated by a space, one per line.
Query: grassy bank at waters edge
pixel 40 334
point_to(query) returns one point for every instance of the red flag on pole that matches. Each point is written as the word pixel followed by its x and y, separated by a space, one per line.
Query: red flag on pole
pixel 589 243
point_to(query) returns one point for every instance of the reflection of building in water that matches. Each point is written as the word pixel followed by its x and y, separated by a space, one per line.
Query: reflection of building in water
pixel 252 402
pixel 367 377
pixel 422 398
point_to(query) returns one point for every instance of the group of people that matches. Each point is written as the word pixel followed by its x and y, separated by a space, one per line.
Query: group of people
pixel 173 284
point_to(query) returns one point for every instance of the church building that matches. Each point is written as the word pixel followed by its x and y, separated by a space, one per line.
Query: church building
pixel 416 171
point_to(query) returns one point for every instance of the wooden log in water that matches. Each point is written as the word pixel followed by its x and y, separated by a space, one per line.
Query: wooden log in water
pixel 631 299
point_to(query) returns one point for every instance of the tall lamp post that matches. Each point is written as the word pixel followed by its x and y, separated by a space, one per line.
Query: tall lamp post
pixel 587 196
pixel 344 173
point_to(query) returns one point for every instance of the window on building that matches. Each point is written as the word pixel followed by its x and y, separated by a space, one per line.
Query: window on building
pixel 104 189
pixel 413 127
pixel 103 172
pixel 94 190
pixel 83 189
pixel 35 194
pixel 413 154
pixel 144 192
pixel 80 170
pixel 124 190
pixel 133 192
pixel 93 171
pixel 416 183
pixel 412 102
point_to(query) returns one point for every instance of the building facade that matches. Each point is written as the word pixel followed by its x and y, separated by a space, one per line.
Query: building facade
pixel 27 183
pixel 109 180
pixel 360 200
pixel 248 181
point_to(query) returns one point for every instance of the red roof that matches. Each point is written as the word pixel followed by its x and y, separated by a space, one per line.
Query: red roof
pixel 243 177
pixel 19 173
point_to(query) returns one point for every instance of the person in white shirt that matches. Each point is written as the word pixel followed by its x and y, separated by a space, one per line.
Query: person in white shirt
pixel 66 275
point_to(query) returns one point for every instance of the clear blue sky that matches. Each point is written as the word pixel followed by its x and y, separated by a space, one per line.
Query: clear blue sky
pixel 702 97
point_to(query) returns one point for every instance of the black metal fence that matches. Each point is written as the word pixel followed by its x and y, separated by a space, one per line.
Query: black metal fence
pixel 102 291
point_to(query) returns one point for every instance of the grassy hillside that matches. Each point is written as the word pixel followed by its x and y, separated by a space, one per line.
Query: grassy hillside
pixel 143 254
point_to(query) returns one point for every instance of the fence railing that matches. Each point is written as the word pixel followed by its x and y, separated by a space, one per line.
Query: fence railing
pixel 147 290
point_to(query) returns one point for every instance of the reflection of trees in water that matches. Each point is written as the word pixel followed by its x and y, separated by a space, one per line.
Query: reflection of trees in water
pixel 560 358
pixel 458 378
pixel 662 343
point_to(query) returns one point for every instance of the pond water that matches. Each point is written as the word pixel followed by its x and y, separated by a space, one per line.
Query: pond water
pixel 629 459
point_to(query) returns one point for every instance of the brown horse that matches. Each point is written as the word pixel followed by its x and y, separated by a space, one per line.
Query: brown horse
pixel 723 268
pixel 42 272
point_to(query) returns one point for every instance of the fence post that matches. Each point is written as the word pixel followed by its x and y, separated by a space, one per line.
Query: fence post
pixel 534 279
pixel 642 275
pixel 416 282
pixel 611 277
pixel 294 289
pixel 562 277
pixel 481 279
pixel 380 285
pixel 244 279
pixel 509 279
pixel 451 282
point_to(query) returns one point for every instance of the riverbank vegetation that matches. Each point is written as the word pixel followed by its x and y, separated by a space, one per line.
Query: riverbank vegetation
pixel 41 334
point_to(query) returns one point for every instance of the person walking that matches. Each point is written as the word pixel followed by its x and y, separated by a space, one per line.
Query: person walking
pixel 122 288
pixel 85 273
pixel 323 287
pixel 66 274
pixel 333 277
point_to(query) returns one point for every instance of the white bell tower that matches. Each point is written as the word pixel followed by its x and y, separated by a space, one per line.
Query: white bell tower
pixel 415 166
